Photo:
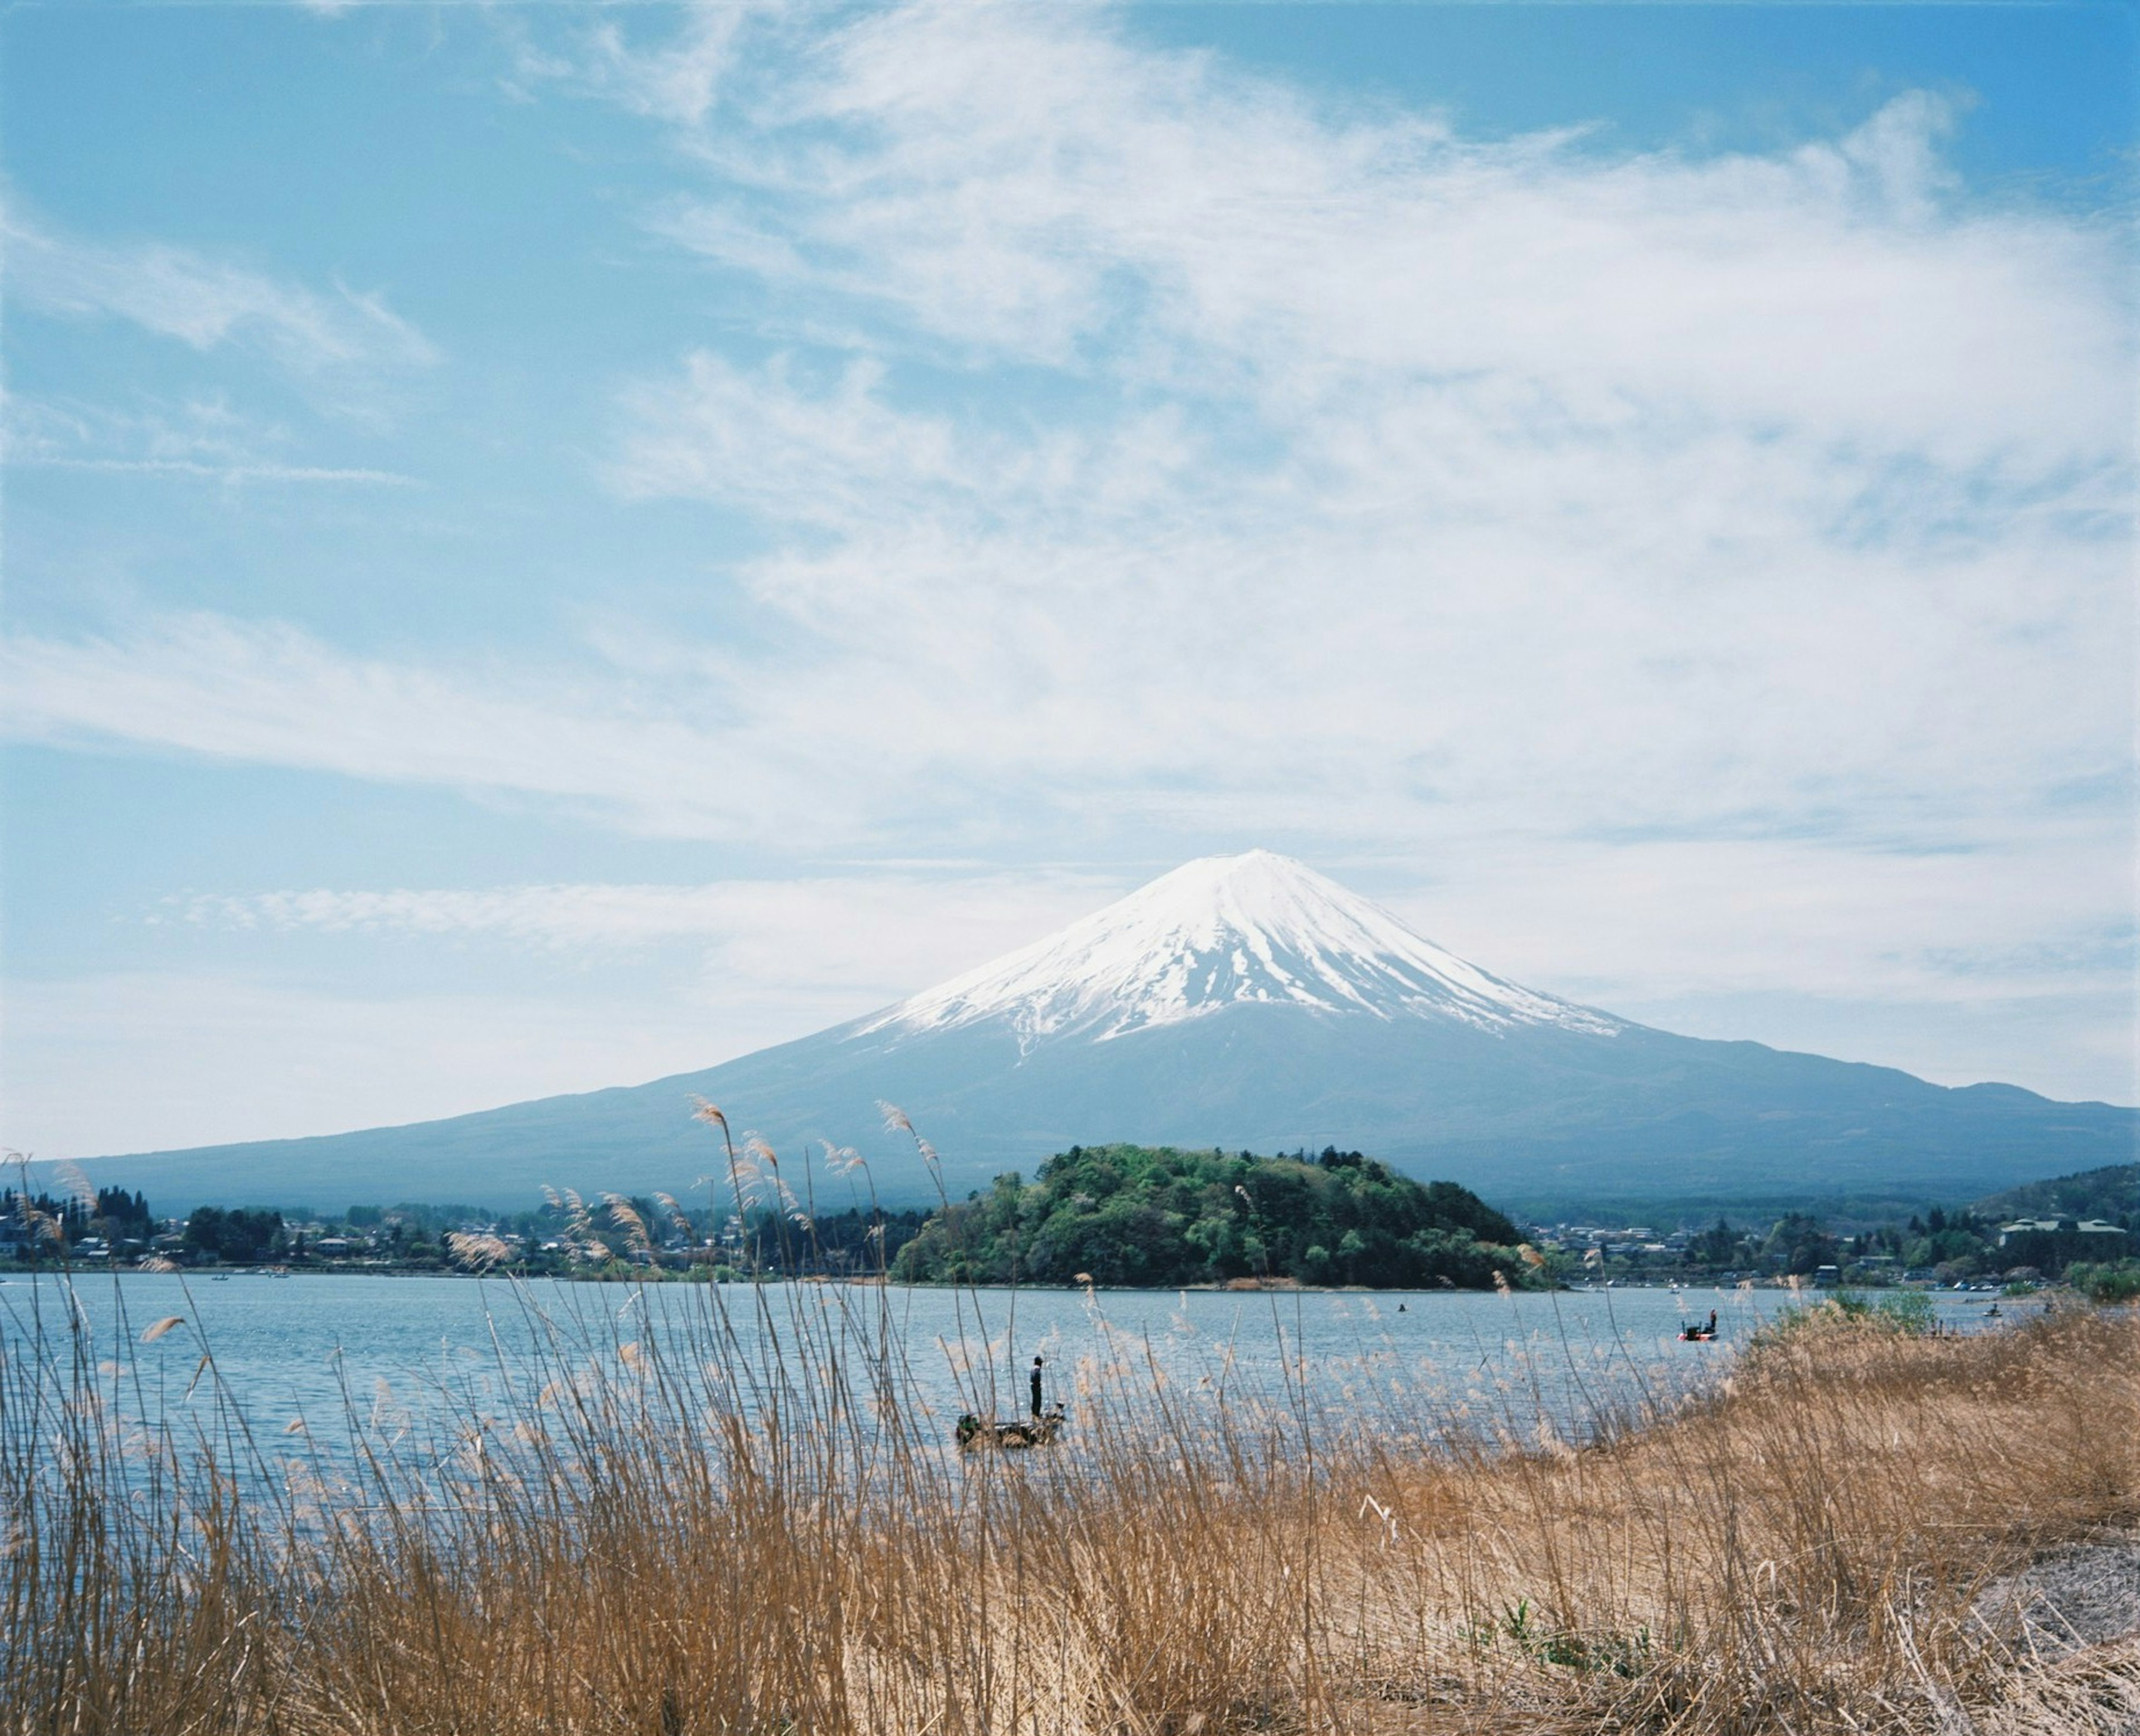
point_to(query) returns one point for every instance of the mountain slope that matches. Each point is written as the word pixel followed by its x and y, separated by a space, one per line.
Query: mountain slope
pixel 1221 932
pixel 1244 1001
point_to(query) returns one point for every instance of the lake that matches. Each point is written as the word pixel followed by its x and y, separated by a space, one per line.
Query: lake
pixel 1436 1363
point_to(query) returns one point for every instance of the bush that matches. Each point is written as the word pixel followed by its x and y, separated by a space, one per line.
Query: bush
pixel 2117 1280
pixel 1905 1313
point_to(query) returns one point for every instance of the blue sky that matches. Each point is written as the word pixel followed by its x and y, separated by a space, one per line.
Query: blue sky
pixel 549 545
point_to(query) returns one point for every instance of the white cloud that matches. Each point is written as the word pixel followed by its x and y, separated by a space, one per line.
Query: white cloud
pixel 271 695
pixel 1023 182
pixel 200 440
pixel 197 470
pixel 207 303
pixel 1565 490
pixel 872 939
pixel 682 84
pixel 1729 929
pixel 720 432
pixel 1668 918
pixel 1302 474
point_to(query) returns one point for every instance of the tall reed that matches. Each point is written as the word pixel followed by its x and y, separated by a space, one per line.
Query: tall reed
pixel 734 1509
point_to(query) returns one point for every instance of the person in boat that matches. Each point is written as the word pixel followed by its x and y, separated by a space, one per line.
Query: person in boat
pixel 1040 1431
pixel 1035 1383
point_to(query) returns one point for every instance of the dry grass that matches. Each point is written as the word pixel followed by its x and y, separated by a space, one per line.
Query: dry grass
pixel 678 1530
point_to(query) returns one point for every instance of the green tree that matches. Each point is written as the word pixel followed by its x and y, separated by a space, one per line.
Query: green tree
pixel 1158 1216
pixel 239 1236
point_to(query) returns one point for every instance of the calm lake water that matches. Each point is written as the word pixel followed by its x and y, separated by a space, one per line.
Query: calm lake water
pixel 293 1346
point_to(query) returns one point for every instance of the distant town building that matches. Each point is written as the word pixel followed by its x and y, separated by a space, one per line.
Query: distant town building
pixel 2057 1227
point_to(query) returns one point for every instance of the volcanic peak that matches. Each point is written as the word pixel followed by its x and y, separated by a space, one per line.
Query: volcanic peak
pixel 1222 932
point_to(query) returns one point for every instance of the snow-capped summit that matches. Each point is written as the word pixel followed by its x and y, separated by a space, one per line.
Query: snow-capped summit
pixel 1218 932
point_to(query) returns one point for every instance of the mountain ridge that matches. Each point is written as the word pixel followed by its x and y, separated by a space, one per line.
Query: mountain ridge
pixel 1244 1001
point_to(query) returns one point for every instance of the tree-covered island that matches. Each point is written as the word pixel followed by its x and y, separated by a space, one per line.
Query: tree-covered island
pixel 1139 1215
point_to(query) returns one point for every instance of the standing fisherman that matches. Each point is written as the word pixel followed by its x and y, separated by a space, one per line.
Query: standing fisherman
pixel 1036 1388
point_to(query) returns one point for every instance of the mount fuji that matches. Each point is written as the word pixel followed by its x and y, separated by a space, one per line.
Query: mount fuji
pixel 1241 1000
pixel 1220 933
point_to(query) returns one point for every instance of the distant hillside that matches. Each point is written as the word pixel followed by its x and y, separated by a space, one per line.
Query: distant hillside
pixel 1159 1218
pixel 2112 1193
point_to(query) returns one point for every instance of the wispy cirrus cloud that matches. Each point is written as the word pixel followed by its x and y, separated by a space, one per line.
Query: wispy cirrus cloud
pixel 273 695
pixel 1203 452
pixel 903 930
pixel 1199 450
pixel 1801 478
pixel 680 85
pixel 1034 186
pixel 871 936
pixel 205 302
pixel 762 440
pixel 200 440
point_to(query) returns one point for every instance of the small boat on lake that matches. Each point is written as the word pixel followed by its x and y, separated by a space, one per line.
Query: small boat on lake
pixel 974 1435
pixel 1695 1333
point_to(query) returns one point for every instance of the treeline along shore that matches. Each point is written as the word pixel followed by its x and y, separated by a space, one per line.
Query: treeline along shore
pixel 1126 1215
pixel 1121 1215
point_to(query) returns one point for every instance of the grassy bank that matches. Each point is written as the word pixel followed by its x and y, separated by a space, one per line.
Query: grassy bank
pixel 678 1530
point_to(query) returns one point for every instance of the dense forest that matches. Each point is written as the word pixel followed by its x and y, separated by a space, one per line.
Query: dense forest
pixel 67 1219
pixel 2112 1193
pixel 1155 1216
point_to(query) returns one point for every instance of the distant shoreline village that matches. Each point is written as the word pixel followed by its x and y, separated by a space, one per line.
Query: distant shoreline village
pixel 1126 1217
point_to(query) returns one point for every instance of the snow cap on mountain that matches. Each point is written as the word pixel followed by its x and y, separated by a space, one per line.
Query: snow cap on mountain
pixel 1220 932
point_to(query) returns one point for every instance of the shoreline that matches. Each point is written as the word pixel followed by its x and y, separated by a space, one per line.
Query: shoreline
pixel 1239 1287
